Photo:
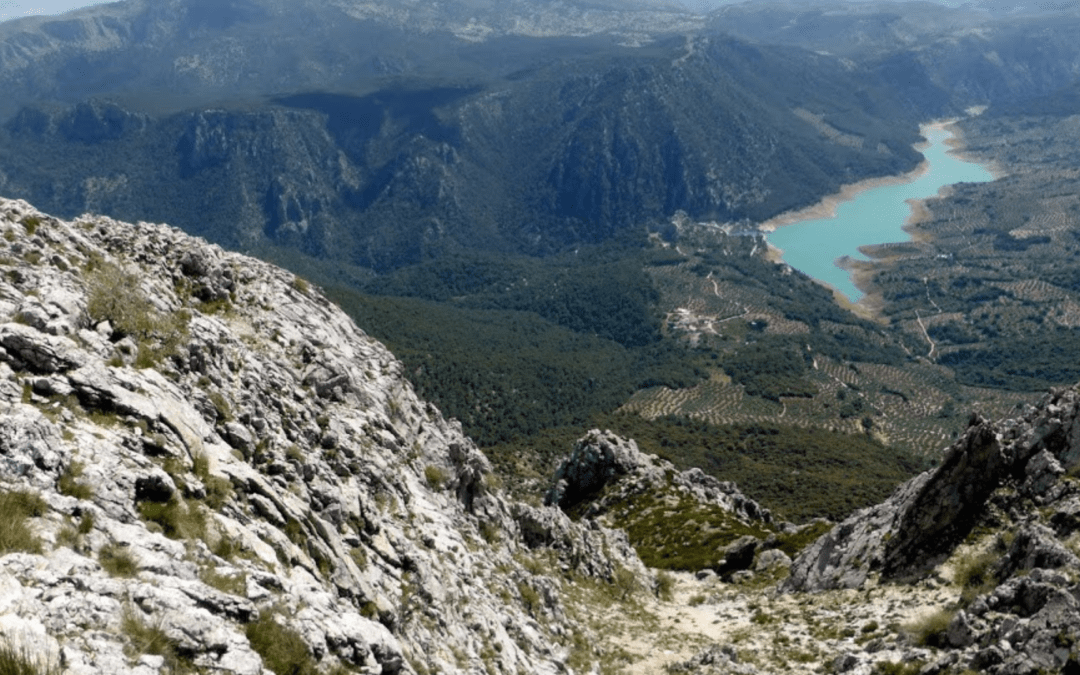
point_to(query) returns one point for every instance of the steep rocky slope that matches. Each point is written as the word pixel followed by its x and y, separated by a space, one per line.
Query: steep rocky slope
pixel 199 448
pixel 205 467
pixel 998 519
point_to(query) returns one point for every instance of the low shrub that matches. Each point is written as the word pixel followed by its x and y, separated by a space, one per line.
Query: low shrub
pixel 282 649
pixel 117 561
pixel 15 534
pixel 115 295
pixel 685 535
pixel 69 482
pixel 665 586
pixel 624 582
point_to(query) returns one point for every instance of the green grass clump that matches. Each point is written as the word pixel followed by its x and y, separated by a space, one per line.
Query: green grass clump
pixel 17 507
pixel 15 661
pixel 435 476
pixel 974 574
pixel 69 482
pixel 117 561
pixel 530 598
pixel 490 532
pixel 177 519
pixel 221 406
pixel 218 489
pixel 359 556
pixel 144 639
pixel 220 306
pixel 31 223
pixel 70 536
pixel 930 630
pixel 282 649
pixel 300 284
pixel 233 584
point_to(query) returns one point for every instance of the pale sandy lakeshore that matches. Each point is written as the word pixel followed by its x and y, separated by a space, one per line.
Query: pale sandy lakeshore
pixel 956 145
pixel 920 209
pixel 827 207
pixel 860 270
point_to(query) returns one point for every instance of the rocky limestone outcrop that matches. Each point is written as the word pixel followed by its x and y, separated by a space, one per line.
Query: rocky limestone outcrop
pixel 199 444
pixel 998 518
pixel 927 517
pixel 608 479
pixel 603 460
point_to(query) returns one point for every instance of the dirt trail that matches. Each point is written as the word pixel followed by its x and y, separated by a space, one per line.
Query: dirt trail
pixel 778 633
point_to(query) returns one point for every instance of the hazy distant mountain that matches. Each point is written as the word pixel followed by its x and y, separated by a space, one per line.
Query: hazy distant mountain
pixel 380 133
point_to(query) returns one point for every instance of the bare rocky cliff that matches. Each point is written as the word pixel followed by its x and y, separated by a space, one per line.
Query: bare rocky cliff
pixel 998 519
pixel 198 447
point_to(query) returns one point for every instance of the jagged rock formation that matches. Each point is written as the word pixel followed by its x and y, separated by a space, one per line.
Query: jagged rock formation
pixel 608 478
pixel 924 520
pixel 196 443
pixel 602 459
pixel 1005 492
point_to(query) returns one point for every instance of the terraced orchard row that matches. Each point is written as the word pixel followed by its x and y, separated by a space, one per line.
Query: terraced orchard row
pixel 786 353
pixel 698 323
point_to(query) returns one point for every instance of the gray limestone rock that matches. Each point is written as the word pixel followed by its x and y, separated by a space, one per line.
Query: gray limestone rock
pixel 597 460
pixel 714 660
pixel 925 519
pixel 602 459
pixel 264 462
pixel 38 352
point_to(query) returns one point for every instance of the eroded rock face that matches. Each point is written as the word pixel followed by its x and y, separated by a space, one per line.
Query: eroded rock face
pixel 927 517
pixel 602 459
pixel 224 445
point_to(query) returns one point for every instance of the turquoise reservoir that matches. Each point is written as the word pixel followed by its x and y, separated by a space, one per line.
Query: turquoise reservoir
pixel 876 215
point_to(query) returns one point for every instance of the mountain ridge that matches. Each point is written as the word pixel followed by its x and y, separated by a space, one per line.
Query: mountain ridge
pixel 209 444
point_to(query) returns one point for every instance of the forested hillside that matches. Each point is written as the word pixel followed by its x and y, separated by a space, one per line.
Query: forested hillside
pixel 550 211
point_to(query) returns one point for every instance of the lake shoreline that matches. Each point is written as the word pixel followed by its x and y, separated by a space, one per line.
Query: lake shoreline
pixel 957 149
pixel 860 271
pixel 827 207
